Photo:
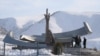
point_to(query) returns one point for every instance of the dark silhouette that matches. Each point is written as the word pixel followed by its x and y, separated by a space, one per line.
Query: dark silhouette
pixel 72 43
pixel 77 41
pixel 84 42
pixel 47 18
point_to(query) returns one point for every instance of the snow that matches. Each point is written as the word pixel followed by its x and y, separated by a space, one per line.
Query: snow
pixel 24 21
pixel 30 52
pixel 42 52
pixel 60 21
pixel 8 23
pixel 95 39
pixel 94 43
pixel 55 28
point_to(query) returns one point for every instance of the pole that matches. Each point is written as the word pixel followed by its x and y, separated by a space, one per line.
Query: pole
pixel 37 49
pixel 4 49
pixel 20 48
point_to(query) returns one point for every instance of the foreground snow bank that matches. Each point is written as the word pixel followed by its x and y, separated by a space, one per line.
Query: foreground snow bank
pixel 30 52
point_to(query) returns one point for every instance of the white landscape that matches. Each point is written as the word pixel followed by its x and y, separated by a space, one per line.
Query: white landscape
pixel 21 19
pixel 60 21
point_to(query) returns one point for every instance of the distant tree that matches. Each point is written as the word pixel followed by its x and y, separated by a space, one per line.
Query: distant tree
pixel 57 48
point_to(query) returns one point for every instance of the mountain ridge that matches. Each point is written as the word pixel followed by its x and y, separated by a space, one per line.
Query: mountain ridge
pixel 70 22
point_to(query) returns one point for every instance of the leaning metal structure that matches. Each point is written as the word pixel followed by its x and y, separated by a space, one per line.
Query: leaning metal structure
pixel 9 39
pixel 81 32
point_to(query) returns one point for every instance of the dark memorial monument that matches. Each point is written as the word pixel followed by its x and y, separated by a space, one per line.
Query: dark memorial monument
pixel 48 39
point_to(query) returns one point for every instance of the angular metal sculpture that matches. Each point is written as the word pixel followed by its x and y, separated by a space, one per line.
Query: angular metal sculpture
pixel 57 37
pixel 49 37
pixel 67 36
pixel 81 31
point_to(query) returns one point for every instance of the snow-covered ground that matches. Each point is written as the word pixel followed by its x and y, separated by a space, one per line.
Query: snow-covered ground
pixel 30 52
pixel 26 52
pixel 42 52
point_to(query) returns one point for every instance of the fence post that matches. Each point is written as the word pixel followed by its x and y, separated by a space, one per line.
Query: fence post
pixel 37 49
pixel 4 49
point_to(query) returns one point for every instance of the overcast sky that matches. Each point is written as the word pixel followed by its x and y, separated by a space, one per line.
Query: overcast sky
pixel 22 8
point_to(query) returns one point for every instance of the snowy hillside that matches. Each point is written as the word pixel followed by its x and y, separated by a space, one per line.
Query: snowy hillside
pixel 8 23
pixel 3 31
pixel 59 22
pixel 69 21
pixel 17 25
pixel 39 27
pixel 62 22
